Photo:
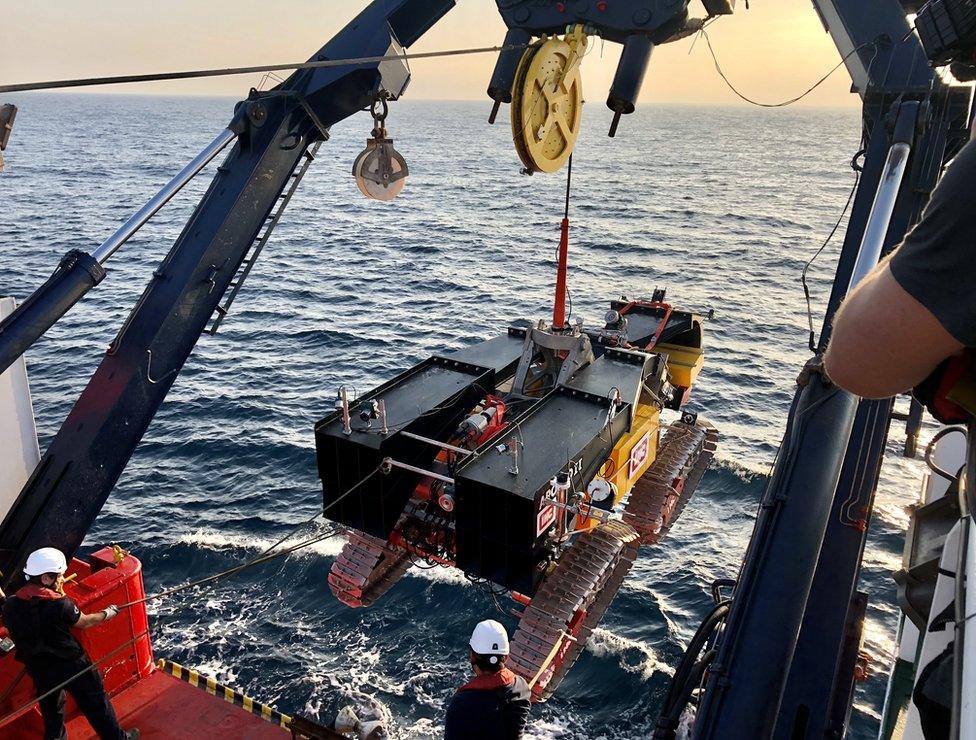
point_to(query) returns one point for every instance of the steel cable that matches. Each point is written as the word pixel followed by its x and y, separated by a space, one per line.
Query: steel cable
pixel 266 555
pixel 227 71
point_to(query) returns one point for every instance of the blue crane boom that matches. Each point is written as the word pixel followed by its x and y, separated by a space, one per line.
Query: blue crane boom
pixel 273 130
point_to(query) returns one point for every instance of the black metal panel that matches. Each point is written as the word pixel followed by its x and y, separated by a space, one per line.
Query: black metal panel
pixel 430 400
pixel 501 354
pixel 643 323
pixel 747 679
pixel 817 658
pixel 496 525
pixel 623 370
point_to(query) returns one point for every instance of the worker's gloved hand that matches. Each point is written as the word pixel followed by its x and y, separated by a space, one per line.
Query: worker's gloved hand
pixel 110 612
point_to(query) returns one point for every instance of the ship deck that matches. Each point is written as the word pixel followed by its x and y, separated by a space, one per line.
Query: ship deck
pixel 163 706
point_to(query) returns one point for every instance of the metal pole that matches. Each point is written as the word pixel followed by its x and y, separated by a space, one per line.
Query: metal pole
pixel 881 211
pixel 436 443
pixel 747 682
pixel 346 425
pixel 79 272
pixel 413 469
pixel 140 217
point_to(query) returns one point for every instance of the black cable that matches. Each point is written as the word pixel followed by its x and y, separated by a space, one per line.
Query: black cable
pixel 686 667
pixel 667 725
pixel 806 267
pixel 784 103
pixel 930 448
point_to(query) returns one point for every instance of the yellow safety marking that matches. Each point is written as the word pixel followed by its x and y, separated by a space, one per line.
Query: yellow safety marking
pixel 266 712
pixel 684 363
pixel 646 422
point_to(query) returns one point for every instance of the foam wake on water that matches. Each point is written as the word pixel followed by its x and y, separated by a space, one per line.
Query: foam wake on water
pixel 635 656
pixel 213 540
pixel 746 471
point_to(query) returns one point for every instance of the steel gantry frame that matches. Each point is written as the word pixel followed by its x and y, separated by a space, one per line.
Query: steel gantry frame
pixel 785 662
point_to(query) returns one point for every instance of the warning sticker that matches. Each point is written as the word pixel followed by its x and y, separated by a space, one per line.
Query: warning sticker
pixel 545 519
pixel 638 454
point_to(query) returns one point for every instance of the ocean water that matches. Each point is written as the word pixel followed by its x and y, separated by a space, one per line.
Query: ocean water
pixel 722 206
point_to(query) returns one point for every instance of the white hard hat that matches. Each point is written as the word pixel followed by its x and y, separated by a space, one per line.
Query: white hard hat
pixel 489 638
pixel 45 560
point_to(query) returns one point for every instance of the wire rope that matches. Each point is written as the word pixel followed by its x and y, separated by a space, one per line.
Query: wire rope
pixel 268 554
pixel 227 71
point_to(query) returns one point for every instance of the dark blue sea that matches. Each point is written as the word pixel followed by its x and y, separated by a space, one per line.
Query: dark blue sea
pixel 722 206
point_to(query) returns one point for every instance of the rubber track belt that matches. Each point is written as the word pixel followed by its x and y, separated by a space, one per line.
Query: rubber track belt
pixel 590 572
pixel 366 568
pixel 586 577
pixel 661 494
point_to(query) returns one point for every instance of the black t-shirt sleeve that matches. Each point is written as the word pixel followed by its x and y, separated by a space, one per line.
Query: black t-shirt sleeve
pixel 936 264
pixel 70 612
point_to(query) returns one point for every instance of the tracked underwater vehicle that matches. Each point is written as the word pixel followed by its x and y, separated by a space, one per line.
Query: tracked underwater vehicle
pixel 536 461
pixel 506 459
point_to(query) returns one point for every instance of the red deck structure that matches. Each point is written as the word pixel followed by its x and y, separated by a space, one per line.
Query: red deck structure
pixel 174 704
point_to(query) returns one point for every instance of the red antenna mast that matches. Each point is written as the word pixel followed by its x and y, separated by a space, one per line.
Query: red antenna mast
pixel 559 303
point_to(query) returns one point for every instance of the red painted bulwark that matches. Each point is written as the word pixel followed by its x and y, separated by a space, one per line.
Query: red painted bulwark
pixel 157 703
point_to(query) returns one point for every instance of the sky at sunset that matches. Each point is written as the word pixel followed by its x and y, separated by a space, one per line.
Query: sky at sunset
pixel 772 51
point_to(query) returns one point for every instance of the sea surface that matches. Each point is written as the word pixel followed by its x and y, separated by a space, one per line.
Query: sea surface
pixel 722 206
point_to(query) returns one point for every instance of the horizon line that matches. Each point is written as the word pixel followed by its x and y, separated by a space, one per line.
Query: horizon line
pixel 856 103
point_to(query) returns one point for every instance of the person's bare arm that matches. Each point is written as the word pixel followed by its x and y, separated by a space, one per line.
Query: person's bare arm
pixel 884 341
